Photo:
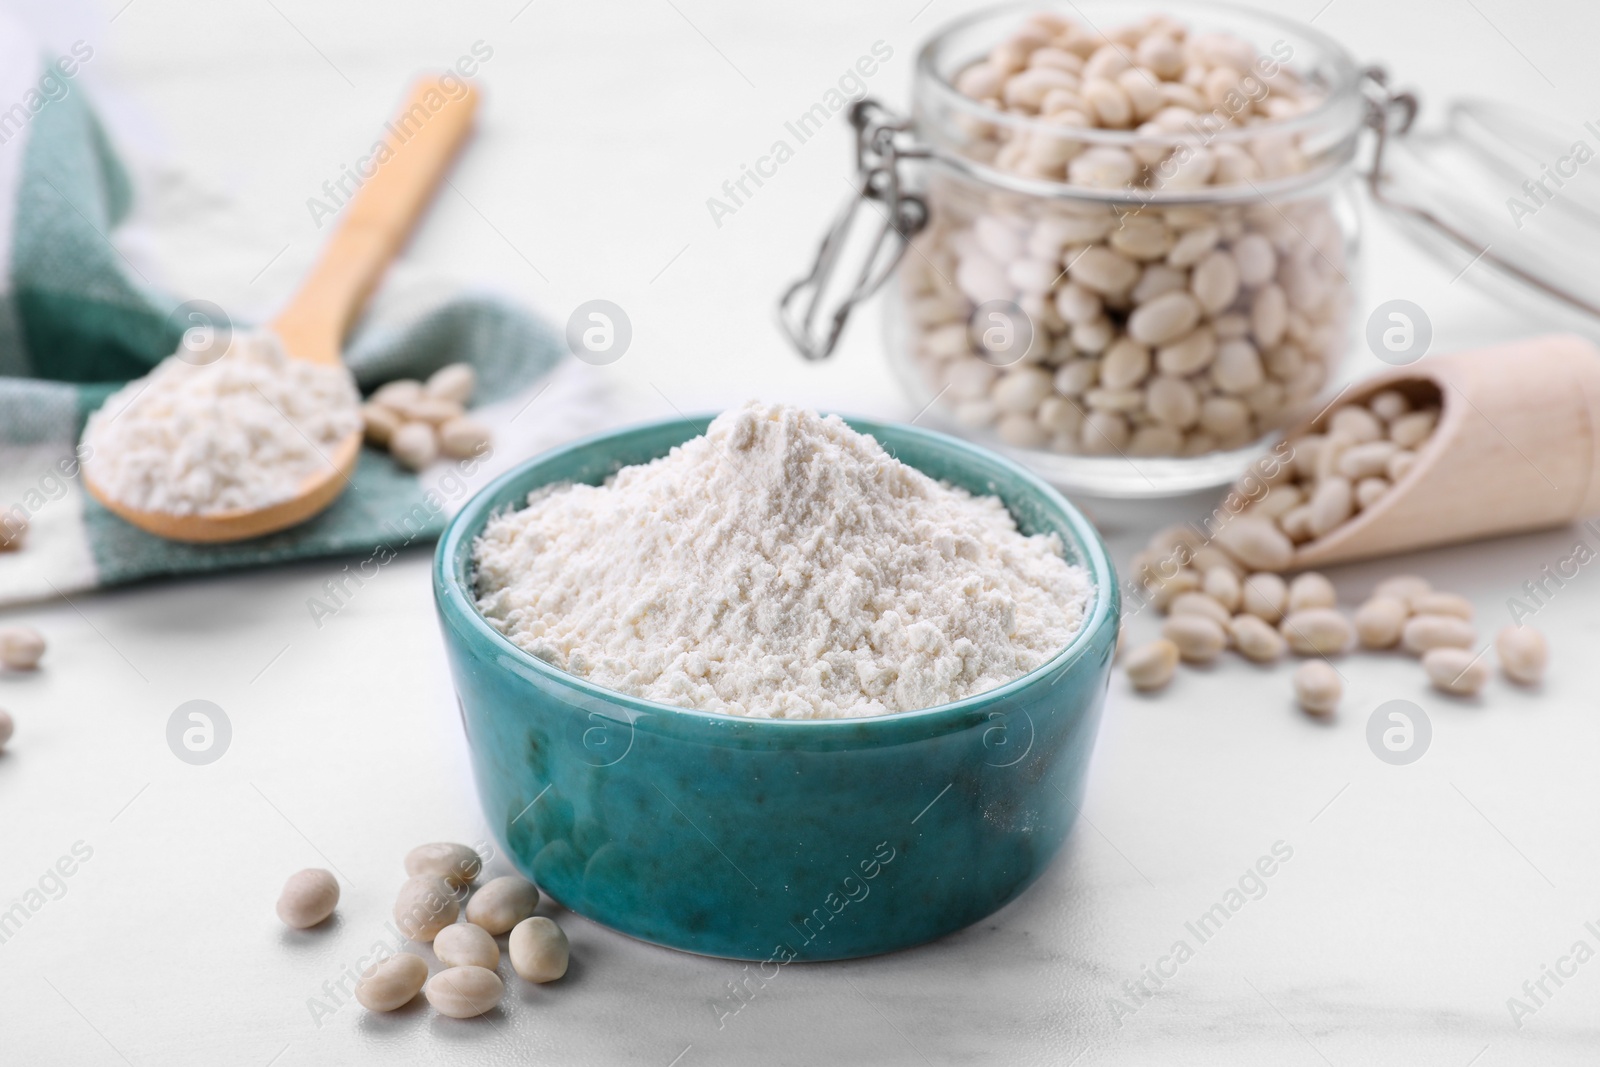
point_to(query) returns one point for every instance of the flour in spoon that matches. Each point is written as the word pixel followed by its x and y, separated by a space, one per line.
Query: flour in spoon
pixel 780 566
pixel 244 431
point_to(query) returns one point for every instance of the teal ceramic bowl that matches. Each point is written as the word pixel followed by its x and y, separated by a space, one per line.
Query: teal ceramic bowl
pixel 776 840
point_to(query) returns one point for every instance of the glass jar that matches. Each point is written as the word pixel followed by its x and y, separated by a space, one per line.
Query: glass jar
pixel 1135 265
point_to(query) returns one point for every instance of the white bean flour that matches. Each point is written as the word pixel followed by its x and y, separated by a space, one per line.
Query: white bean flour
pixel 781 566
pixel 242 432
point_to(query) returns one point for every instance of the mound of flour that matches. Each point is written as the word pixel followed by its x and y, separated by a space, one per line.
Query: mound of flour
pixel 244 431
pixel 780 566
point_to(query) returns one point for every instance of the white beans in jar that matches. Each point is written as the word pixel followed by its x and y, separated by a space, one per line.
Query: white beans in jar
pixel 1206 323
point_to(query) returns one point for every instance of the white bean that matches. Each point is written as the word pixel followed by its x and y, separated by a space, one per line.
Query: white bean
pixel 1317 632
pixel 1455 670
pixel 1423 633
pixel 1190 353
pixel 1200 604
pixel 7 727
pixel 1369 491
pixel 1380 620
pixel 1194 246
pixel 1388 405
pixel 464 992
pixel 1311 590
pixel 414 445
pixel 1317 687
pixel 1400 464
pixel 21 648
pixel 1103 167
pixel 1367 459
pixel 466 945
pixel 1221 584
pixel 1256 543
pixel 1409 431
pixel 308 897
pixel 445 859
pixel 1166 318
pixel 424 906
pixel 1256 639
pixel 1523 654
pixel 1403 587
pixel 455 381
pixel 1256 260
pixel 1332 503
pixel 392 983
pixel 1020 389
pixel 1215 282
pixel 1431 603
pixel 1102 271
pixel 464 438
pixel 1124 364
pixel 1151 666
pixel 539 949
pixel 502 903
pixel 378 424
pixel 1264 595
pixel 1197 638
pixel 1237 368
pixel 398 394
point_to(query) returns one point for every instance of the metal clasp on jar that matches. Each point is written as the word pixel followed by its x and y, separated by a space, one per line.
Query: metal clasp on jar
pixel 883 139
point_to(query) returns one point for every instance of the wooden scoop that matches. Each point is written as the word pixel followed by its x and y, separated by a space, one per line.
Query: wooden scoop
pixel 421 141
pixel 1517 448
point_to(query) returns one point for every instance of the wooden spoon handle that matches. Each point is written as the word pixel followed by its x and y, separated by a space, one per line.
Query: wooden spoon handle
pixel 399 179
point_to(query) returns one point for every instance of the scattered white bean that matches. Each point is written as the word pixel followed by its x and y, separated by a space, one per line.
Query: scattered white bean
pixel 379 423
pixel 502 903
pixel 425 905
pixel 453 382
pixel 398 394
pixel 392 983
pixel 1455 670
pixel 1403 587
pixel 21 648
pixel 1380 620
pixel 1423 633
pixel 539 949
pixel 1317 687
pixel 466 945
pixel 1151 666
pixel 1221 583
pixel 1311 590
pixel 414 445
pixel 445 859
pixel 1256 639
pixel 1432 603
pixel 1523 654
pixel 464 992
pixel 464 438
pixel 1264 595
pixel 1256 543
pixel 1317 632
pixel 308 897
pixel 1200 604
pixel 1197 638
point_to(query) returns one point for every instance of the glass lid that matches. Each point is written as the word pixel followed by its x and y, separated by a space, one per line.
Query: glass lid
pixel 1508 197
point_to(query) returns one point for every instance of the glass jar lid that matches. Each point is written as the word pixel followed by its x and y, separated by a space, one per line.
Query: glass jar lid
pixel 1505 197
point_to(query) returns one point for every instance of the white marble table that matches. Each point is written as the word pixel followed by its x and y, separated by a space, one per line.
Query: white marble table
pixel 1416 901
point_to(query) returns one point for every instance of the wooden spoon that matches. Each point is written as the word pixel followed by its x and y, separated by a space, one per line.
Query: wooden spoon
pixel 422 140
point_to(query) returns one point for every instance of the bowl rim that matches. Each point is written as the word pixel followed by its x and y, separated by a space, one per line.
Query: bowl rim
pixel 453 602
